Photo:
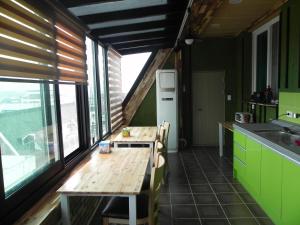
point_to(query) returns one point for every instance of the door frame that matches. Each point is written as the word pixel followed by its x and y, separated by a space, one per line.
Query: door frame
pixel 192 99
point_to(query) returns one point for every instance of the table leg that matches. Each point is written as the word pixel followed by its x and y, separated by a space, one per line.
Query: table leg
pixel 65 209
pixel 132 210
pixel 221 139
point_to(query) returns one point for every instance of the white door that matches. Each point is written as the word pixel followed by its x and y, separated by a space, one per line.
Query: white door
pixel 208 91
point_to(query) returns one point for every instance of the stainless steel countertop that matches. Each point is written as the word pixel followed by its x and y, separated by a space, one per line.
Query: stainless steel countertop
pixel 252 130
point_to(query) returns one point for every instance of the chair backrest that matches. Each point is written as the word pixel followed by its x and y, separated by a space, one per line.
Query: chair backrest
pixel 166 125
pixel 158 149
pixel 157 175
pixel 161 133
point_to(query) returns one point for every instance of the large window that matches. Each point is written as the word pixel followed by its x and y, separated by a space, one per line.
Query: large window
pixel 266 57
pixel 92 91
pixel 69 118
pixel 43 116
pixel 28 132
pixel 103 89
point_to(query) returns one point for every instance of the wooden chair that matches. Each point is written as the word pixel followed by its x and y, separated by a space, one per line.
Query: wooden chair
pixel 161 133
pixel 166 126
pixel 158 150
pixel 117 210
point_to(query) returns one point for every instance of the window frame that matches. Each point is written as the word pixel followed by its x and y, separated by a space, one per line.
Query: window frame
pixel 97 86
pixel 266 27
pixel 105 49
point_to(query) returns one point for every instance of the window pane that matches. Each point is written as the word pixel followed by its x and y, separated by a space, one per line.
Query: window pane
pixel 28 132
pixel 262 61
pixel 69 118
pixel 92 91
pixel 103 88
pixel 132 65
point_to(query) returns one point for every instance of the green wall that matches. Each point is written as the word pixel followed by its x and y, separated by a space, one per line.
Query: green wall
pixel 289 96
pixel 290 47
pixel 146 113
pixel 289 101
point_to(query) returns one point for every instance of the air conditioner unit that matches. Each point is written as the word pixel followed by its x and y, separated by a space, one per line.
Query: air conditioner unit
pixel 167 104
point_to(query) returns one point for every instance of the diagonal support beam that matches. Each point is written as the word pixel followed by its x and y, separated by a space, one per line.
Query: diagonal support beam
pixel 145 85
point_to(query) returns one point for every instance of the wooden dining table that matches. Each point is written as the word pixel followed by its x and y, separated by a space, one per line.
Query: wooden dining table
pixel 120 173
pixel 138 136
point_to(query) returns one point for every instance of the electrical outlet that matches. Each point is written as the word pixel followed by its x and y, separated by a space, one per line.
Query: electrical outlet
pixel 289 114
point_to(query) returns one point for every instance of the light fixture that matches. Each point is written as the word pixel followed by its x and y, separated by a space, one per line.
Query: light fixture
pixel 189 41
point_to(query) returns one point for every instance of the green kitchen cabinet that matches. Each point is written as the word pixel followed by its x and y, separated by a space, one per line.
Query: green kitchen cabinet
pixel 271 183
pixel 239 170
pixel 239 152
pixel 253 171
pixel 239 138
pixel 290 193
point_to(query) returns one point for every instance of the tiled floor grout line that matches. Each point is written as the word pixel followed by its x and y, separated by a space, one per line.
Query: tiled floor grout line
pixel 182 162
pixel 245 204
pixel 171 206
pixel 197 160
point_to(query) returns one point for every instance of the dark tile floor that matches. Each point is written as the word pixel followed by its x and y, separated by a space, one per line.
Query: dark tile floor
pixel 200 190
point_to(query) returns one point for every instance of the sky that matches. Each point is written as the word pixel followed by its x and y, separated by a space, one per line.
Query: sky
pixel 131 67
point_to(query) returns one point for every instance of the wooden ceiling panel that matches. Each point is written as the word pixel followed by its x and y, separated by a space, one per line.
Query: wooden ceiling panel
pixel 230 19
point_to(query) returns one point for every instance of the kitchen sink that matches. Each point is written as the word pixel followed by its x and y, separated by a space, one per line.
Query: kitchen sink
pixel 281 137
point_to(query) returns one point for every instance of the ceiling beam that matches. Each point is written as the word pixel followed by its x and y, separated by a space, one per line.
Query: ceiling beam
pixel 133 13
pixel 144 49
pixel 145 43
pixel 76 3
pixel 137 27
pixel 143 36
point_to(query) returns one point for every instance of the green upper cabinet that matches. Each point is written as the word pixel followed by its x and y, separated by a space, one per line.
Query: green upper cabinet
pixel 271 183
pixel 253 162
pixel 290 193
pixel 290 46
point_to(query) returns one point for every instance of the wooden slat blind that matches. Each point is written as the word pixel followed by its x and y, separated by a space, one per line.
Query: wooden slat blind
pixel 30 48
pixel 27 44
pixel 70 52
pixel 115 88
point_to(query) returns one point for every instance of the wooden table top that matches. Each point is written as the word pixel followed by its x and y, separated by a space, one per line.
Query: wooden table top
pixel 228 125
pixel 119 173
pixel 138 134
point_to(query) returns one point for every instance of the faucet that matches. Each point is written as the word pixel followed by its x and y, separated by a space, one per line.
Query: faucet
pixel 288 130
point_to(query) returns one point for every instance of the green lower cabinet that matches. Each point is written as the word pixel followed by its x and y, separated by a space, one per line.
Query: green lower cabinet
pixel 271 184
pixel 291 193
pixel 253 171
pixel 273 180
pixel 239 138
pixel 239 170
pixel 239 152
